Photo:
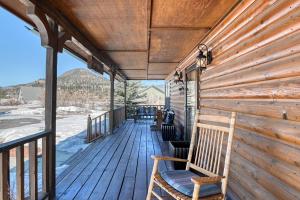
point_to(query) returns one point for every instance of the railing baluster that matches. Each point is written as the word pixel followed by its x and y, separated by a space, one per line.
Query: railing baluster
pixel 4 175
pixel 45 158
pixel 20 172
pixel 33 185
pixel 96 129
pixel 89 121
pixel 105 124
pixel 100 128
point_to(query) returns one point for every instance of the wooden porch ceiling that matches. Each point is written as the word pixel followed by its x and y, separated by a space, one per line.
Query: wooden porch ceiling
pixel 145 38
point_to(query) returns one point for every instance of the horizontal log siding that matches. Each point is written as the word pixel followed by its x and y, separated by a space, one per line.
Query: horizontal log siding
pixel 177 104
pixel 256 72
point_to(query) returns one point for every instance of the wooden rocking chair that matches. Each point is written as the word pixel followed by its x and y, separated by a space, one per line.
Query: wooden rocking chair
pixel 201 179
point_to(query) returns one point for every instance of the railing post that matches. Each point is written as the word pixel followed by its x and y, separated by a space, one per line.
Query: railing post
pixel 50 114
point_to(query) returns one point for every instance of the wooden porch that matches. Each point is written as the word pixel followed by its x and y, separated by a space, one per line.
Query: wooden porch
pixel 117 167
pixel 255 72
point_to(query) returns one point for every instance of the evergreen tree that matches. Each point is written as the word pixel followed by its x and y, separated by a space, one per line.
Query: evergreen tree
pixel 2 93
pixel 133 94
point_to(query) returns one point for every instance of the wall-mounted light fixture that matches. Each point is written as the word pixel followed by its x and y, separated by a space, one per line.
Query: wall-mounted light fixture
pixel 204 57
pixel 178 77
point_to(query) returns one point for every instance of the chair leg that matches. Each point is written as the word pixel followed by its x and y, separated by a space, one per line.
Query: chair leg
pixel 151 183
pixel 196 192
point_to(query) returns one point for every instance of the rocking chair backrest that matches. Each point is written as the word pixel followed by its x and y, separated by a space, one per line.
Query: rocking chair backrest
pixel 207 142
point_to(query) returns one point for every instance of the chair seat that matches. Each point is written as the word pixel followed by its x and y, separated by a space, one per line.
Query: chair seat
pixel 180 180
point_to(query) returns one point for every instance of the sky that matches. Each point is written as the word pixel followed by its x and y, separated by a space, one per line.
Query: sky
pixel 22 58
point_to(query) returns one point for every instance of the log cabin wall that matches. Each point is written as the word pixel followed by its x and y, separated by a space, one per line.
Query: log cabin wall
pixel 177 98
pixel 256 72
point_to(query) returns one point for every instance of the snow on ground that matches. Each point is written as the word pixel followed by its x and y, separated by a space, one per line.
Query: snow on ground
pixel 70 129
pixel 70 132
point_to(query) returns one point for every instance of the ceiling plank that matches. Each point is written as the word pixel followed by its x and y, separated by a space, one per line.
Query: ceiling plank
pixel 189 13
pixel 136 74
pixel 110 24
pixel 173 45
pixel 161 68
pixel 129 59
pixel 156 77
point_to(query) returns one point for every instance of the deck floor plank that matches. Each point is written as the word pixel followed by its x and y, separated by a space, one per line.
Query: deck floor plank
pixel 94 175
pixel 118 177
pixel 150 151
pixel 140 188
pixel 127 188
pixel 117 164
pixel 86 162
pixel 116 167
pixel 103 157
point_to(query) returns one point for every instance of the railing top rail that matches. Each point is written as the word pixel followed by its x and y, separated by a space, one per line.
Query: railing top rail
pixel 106 113
pixel 145 105
pixel 99 115
pixel 119 108
pixel 18 142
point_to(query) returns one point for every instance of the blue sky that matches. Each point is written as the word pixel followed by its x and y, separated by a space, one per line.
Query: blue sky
pixel 22 58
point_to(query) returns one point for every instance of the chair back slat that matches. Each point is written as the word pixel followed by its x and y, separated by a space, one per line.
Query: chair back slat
pixel 213 151
pixel 207 141
pixel 214 118
pixel 203 136
pixel 220 152
pixel 213 127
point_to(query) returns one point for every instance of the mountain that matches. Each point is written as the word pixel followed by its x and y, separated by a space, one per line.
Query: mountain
pixel 70 81
pixel 81 78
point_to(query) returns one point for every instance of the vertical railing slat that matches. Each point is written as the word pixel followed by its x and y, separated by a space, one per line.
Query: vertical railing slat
pixel 105 124
pixel 33 184
pixel 100 124
pixel 20 172
pixel 45 160
pixel 4 175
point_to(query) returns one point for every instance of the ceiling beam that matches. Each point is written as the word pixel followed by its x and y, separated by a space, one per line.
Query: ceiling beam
pixel 149 21
pixel 57 16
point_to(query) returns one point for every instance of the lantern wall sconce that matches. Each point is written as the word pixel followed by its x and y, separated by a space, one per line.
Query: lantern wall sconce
pixel 204 57
pixel 178 77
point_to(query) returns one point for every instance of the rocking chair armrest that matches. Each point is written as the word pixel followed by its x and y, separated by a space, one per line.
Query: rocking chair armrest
pixel 206 180
pixel 155 157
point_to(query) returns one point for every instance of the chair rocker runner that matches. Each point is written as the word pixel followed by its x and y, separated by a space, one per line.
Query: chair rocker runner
pixel 202 178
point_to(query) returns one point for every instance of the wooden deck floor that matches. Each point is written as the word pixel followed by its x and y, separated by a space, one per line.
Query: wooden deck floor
pixel 117 167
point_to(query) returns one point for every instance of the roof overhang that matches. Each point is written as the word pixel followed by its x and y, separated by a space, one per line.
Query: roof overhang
pixel 140 39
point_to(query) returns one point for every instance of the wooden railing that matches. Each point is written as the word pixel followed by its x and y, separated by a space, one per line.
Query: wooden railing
pixel 103 124
pixel 97 127
pixel 131 110
pixel 119 116
pixel 30 142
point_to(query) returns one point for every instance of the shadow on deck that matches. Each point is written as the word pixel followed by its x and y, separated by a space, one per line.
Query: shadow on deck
pixel 117 167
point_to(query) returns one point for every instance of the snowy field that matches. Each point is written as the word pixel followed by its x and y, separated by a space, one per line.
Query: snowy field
pixel 23 120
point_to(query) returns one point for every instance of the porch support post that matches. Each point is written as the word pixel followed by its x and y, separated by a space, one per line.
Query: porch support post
pixel 53 40
pixel 49 164
pixel 125 100
pixel 112 90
